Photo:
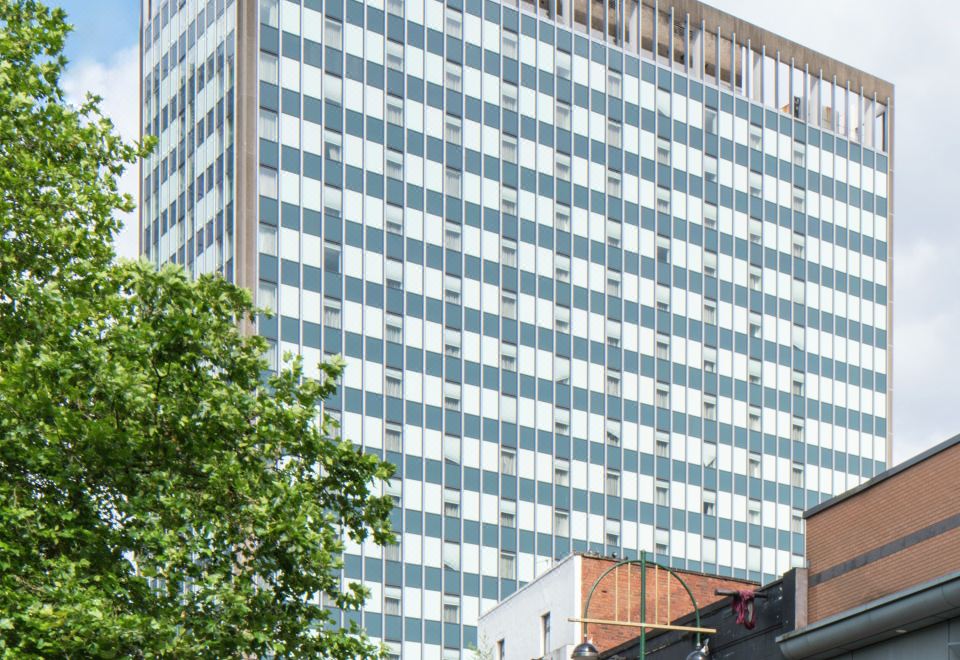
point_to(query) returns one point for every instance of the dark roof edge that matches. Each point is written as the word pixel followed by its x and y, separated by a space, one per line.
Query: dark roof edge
pixel 883 476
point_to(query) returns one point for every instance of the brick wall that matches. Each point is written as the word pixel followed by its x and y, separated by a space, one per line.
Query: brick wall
pixel 617 597
pixel 920 496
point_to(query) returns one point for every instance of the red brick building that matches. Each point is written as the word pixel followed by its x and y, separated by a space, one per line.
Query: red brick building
pixel 541 620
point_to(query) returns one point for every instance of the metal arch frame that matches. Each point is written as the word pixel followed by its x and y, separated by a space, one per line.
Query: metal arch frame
pixel 642 561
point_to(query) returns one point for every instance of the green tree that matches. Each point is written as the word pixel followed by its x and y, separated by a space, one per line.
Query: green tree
pixel 158 496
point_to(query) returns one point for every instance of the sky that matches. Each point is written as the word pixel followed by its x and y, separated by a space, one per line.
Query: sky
pixel 915 50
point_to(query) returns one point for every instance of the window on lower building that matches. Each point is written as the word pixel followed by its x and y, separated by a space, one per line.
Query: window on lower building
pixel 508 513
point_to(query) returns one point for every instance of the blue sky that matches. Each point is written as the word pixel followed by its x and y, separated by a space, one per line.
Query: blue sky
pixel 888 38
pixel 101 27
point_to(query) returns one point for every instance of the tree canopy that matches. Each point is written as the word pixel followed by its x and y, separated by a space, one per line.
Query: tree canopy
pixel 159 495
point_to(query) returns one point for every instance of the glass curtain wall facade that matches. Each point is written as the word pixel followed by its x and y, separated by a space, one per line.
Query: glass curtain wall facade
pixel 603 282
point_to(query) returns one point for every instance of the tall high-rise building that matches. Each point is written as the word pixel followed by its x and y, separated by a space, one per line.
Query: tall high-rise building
pixel 609 275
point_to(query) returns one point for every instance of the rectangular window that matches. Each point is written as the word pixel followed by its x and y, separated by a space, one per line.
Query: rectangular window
pixel 614 133
pixel 798 247
pixel 756 184
pixel 394 165
pixel 451 343
pixel 508 461
pixel 333 146
pixel 453 76
pixel 663 151
pixel 454 23
pixel 509 96
pixel 663 395
pixel 798 383
pixel 395 7
pixel 452 130
pixel 451 502
pixel 710 215
pixel 391 601
pixel 269 185
pixel 753 512
pixel 267 296
pixel 563 65
pixel 331 313
pixel 393 437
pixel 562 116
pixel 753 465
pixel 614 83
pixel 563 166
pixel 613 183
pixel 269 125
pixel 508 149
pixel 394 328
pixel 394 56
pixel 393 217
pixel 613 284
pixel 267 239
pixel 613 430
pixel 451 396
pixel 710 169
pixel 663 298
pixel 710 264
pixel 561 420
pixel 613 482
pixel 796 522
pixel 663 199
pixel 755 326
pixel 451 555
pixel 663 346
pixel 710 121
pixel 452 181
pixel 754 371
pixel 394 111
pixel 796 429
pixel 333 34
pixel 756 137
pixel 508 305
pixel 508 252
pixel 451 291
pixel 394 383
pixel 269 68
pixel 709 359
pixel 561 523
pixel 662 493
pixel 508 513
pixel 756 278
pixel 561 472
pixel 753 418
pixel 709 503
pixel 710 312
pixel 710 407
pixel 508 357
pixel 269 13
pixel 451 443
pixel 451 235
pixel 799 154
pixel 509 46
pixel 709 455
pixel 561 319
pixel 662 446
pixel 508 565
pixel 508 201
pixel 331 258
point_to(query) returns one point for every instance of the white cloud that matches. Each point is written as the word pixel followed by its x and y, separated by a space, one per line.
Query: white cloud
pixel 117 81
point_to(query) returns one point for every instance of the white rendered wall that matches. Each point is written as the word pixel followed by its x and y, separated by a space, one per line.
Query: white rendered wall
pixel 517 620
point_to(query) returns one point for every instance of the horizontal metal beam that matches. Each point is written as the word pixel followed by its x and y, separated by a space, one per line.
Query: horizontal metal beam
pixel 640 624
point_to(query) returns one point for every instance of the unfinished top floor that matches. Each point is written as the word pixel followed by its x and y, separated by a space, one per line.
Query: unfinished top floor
pixel 710 45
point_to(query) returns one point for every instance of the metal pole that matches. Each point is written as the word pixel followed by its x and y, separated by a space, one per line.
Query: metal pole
pixel 643 603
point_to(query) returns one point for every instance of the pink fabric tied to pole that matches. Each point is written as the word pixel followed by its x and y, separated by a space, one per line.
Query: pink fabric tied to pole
pixel 745 608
